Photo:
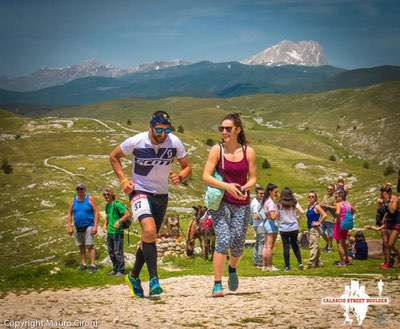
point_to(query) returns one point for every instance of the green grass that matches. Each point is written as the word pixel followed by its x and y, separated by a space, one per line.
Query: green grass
pixel 35 197
pixel 39 277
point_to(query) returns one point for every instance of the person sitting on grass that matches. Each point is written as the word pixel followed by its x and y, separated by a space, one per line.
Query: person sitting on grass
pixel 116 214
pixel 360 247
pixel 315 217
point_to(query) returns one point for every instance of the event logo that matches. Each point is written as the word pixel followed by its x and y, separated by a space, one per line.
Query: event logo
pixel 355 301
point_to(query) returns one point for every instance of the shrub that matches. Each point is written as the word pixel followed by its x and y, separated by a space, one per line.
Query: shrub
pixel 6 167
pixel 366 165
pixel 181 129
pixel 388 170
pixel 332 158
pixel 210 142
pixel 265 164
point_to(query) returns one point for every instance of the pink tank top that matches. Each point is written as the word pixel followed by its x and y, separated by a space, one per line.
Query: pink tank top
pixel 235 172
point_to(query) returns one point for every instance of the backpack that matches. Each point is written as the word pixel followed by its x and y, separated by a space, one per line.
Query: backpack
pixel 303 240
pixel 127 222
pixel 347 222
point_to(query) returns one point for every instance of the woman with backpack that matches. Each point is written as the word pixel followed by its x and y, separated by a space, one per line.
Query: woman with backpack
pixel 344 212
pixel 289 226
pixel 116 215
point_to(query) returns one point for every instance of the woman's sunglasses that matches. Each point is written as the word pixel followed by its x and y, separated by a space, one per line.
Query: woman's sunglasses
pixel 159 131
pixel 228 129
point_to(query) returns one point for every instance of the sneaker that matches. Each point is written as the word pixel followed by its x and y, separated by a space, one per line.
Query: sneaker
pixel 218 291
pixel 154 287
pixel 83 267
pixel 266 269
pixel 135 286
pixel 326 248
pixel 119 274
pixel 286 269
pixel 301 266
pixel 385 266
pixel 341 264
pixel 274 269
pixel 112 273
pixel 93 269
pixel 233 281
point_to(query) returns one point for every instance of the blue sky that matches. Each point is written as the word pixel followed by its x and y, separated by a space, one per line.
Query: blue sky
pixel 35 34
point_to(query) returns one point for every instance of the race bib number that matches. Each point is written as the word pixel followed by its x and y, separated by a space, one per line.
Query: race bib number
pixel 140 206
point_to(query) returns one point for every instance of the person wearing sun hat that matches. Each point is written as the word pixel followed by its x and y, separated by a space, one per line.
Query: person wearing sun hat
pixel 153 153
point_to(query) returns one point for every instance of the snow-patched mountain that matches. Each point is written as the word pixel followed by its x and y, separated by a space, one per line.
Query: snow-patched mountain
pixel 48 76
pixel 286 52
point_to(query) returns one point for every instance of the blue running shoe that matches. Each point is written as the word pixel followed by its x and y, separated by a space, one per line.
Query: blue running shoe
pixel 233 281
pixel 135 286
pixel 154 287
pixel 218 291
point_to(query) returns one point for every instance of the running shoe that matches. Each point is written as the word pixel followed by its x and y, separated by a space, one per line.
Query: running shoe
pixel 135 286
pixel 111 273
pixel 119 274
pixel 341 264
pixel 301 266
pixel 233 281
pixel 154 287
pixel 93 269
pixel 286 269
pixel 83 267
pixel 385 266
pixel 218 291
pixel 274 269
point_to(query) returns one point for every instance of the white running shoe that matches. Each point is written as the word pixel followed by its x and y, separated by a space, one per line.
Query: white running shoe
pixel 274 269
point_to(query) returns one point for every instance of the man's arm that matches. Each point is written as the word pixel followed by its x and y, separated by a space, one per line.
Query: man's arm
pixel 96 214
pixel 70 230
pixel 186 170
pixel 115 159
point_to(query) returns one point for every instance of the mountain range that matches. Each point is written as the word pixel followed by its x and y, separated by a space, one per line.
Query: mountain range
pixel 284 53
pixel 49 76
pixel 265 72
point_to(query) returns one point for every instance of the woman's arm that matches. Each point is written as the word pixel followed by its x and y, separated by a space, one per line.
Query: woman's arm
pixel 321 212
pixel 251 158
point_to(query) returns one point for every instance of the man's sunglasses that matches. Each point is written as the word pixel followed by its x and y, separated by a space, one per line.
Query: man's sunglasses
pixel 228 129
pixel 159 131
pixel 106 194
pixel 80 189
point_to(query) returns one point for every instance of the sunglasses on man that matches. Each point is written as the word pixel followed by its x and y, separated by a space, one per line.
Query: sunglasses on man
pixel 159 130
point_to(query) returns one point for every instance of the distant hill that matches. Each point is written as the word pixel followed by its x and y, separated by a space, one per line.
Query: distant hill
pixel 204 79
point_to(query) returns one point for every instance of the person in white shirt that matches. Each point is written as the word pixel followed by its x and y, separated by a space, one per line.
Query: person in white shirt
pixel 153 152
pixel 258 216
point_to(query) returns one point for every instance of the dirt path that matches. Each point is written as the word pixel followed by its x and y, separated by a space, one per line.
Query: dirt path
pixel 267 302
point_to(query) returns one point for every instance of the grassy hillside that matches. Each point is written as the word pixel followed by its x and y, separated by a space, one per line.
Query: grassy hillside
pixel 50 155
pixel 363 120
